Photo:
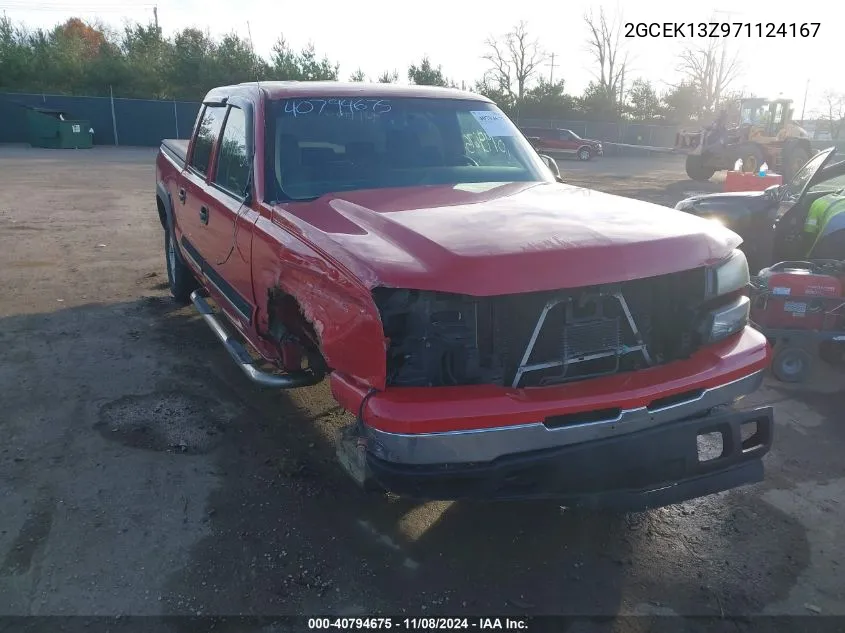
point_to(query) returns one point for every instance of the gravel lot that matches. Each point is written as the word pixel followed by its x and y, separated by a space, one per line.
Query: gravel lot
pixel 143 475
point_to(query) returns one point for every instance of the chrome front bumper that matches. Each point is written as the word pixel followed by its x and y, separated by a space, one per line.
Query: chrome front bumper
pixel 485 445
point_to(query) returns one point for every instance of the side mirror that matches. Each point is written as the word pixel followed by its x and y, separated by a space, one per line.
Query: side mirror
pixel 551 163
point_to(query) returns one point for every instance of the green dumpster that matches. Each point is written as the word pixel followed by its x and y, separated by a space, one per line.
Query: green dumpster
pixel 53 129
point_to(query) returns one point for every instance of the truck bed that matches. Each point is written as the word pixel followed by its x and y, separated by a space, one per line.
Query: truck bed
pixel 177 149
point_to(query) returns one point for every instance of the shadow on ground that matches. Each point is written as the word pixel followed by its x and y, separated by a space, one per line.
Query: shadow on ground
pixel 223 499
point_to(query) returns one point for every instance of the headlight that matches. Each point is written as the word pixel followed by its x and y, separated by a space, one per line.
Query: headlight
pixel 685 205
pixel 723 322
pixel 729 276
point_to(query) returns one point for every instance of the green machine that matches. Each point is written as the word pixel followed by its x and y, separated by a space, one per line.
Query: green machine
pixel 53 129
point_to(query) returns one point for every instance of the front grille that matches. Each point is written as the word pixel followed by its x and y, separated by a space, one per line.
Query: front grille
pixel 586 332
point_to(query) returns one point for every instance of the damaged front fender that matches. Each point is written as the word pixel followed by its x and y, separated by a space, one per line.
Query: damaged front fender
pixel 340 310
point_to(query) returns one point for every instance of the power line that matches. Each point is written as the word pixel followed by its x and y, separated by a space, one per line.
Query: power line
pixel 76 8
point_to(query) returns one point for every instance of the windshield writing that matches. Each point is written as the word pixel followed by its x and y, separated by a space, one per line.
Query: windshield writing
pixel 339 144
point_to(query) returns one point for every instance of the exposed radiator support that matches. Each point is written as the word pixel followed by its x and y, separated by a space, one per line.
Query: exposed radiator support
pixel 582 355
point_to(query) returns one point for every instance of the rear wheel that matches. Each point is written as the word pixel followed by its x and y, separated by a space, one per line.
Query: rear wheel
pixel 179 277
pixel 792 364
pixel 697 169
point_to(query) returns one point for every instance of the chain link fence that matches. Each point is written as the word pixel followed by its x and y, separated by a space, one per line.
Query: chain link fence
pixel 618 137
pixel 118 121
pixel 145 122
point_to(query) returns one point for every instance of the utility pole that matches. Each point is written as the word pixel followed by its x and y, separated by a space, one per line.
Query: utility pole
pixel 552 70
pixel 803 107
pixel 155 16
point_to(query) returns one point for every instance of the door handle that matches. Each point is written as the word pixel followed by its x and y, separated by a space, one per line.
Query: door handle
pixel 204 215
pixel 182 195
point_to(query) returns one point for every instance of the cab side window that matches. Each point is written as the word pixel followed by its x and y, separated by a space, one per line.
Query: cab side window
pixel 233 160
pixel 207 132
pixel 565 135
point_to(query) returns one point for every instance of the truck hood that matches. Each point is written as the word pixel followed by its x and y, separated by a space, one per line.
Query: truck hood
pixel 503 238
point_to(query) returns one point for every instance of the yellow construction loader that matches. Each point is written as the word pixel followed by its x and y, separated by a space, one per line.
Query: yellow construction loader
pixel 757 131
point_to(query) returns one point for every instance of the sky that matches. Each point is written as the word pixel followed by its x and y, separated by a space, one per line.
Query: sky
pixel 379 35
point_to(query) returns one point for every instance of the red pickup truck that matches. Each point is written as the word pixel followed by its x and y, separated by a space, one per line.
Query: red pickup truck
pixel 494 332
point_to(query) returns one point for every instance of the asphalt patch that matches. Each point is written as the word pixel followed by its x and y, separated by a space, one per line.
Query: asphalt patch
pixel 173 422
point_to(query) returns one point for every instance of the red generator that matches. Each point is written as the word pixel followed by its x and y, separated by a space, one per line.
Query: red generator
pixel 798 295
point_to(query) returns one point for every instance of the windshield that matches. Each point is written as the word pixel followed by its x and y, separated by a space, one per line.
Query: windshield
pixel 575 136
pixel 318 146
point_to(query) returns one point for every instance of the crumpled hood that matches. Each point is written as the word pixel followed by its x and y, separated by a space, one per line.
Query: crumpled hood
pixel 504 238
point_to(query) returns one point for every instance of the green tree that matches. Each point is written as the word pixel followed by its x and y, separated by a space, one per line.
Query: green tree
pixel 644 102
pixel 490 88
pixel 358 75
pixel 235 62
pixel 147 53
pixel 388 77
pixel 191 66
pixel 287 64
pixel 682 103
pixel 69 52
pixel 426 74
pixel 15 56
pixel 597 105
pixel 547 101
pixel 105 72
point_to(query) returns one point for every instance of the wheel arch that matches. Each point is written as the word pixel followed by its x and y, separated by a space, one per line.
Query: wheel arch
pixel 165 208
pixel 324 313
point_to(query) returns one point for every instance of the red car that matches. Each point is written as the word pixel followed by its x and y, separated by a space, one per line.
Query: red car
pixel 493 332
pixel 562 141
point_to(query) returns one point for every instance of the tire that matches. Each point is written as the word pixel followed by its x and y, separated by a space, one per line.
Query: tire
pixel 697 170
pixel 585 153
pixel 179 277
pixel 792 364
pixel 794 157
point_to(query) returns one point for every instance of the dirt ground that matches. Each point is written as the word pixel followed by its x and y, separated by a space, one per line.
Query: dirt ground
pixel 142 475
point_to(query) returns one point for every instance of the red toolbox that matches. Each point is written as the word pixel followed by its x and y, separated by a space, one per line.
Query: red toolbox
pixel 799 295
pixel 749 181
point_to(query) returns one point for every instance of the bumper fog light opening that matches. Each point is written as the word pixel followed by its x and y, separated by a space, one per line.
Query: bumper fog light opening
pixel 710 446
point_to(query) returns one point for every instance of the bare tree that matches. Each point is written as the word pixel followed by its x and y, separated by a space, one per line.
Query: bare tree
pixel 711 69
pixel 604 44
pixel 514 60
pixel 834 113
